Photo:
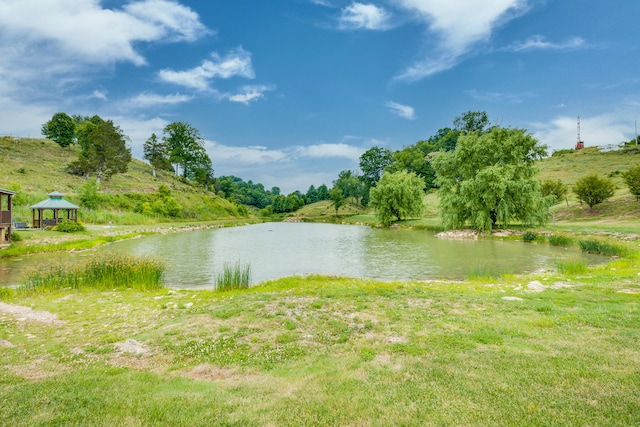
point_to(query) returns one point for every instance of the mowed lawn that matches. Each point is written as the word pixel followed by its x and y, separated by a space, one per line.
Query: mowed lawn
pixel 324 351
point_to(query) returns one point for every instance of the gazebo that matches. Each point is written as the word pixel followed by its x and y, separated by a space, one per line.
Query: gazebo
pixel 5 214
pixel 54 203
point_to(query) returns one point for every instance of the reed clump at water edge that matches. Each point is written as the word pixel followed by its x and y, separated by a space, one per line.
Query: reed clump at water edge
pixel 236 276
pixel 110 271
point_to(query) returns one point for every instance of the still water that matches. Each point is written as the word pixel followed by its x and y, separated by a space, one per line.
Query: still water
pixel 276 250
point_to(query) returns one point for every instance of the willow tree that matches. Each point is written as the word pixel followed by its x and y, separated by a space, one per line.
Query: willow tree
pixel 397 196
pixel 489 180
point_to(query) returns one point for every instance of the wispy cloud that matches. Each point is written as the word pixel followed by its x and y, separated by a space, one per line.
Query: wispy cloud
pixel 507 98
pixel 249 94
pixel 539 42
pixel 236 63
pixel 404 111
pixel 361 16
pixel 458 25
pixel 148 99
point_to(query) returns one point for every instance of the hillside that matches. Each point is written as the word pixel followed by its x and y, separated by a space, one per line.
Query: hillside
pixel 36 167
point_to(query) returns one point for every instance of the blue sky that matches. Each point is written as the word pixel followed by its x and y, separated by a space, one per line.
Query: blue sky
pixel 290 92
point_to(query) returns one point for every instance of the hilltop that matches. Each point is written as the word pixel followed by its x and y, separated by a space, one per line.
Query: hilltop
pixel 36 167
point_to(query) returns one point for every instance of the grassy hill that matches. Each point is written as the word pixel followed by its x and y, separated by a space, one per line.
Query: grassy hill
pixel 36 167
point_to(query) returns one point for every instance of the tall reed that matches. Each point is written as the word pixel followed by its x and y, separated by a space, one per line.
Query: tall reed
pixel 110 271
pixel 602 248
pixel 237 276
pixel 572 266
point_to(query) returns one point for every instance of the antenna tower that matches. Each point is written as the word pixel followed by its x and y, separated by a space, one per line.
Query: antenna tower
pixel 579 144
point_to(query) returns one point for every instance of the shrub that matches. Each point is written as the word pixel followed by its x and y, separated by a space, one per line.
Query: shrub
pixel 15 237
pixel 529 236
pixel 68 226
pixel 593 190
pixel 632 179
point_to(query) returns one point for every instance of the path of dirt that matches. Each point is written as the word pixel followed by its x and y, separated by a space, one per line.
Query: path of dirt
pixel 27 313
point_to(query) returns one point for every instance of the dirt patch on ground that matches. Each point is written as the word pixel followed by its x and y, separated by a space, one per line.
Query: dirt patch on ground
pixel 23 313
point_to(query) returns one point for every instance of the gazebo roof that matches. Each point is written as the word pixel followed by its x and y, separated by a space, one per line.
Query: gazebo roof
pixel 3 191
pixel 55 201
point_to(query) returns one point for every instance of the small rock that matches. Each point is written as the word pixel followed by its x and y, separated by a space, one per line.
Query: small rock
pixel 535 286
pixel 172 292
pixel 561 285
pixel 512 299
pixel 133 347
pixel 158 297
pixel 6 344
pixel 76 351
pixel 188 305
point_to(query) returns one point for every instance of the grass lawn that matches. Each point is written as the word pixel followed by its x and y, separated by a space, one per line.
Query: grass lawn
pixel 332 351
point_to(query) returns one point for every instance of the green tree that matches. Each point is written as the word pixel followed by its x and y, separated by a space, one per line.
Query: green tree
pixel 185 147
pixel 554 188
pixel 337 198
pixel 322 192
pixel 414 158
pixel 397 196
pixel 350 185
pixel 155 152
pixel 472 121
pixel 61 129
pixel 373 163
pixel 593 190
pixel 632 179
pixel 312 194
pixel 105 151
pixel 90 195
pixel 489 179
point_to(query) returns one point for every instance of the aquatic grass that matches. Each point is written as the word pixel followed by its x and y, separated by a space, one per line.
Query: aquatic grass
pixel 237 276
pixel 484 272
pixel 560 240
pixel 600 247
pixel 571 266
pixel 111 271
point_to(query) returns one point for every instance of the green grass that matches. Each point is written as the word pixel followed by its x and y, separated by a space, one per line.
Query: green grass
pixel 233 277
pixel 572 267
pixel 340 351
pixel 105 272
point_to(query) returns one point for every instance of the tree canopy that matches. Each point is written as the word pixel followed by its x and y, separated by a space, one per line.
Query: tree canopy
pixel 593 190
pixel 632 179
pixel 106 152
pixel 156 152
pixel 186 149
pixel 373 163
pixel 61 129
pixel 489 179
pixel 397 196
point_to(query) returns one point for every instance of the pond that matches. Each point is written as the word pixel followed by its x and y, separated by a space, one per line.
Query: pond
pixel 275 250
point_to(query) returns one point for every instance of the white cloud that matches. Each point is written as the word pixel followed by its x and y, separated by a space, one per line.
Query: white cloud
pixel 404 111
pixel 538 42
pixel 249 94
pixel 360 16
pixel 236 63
pixel 602 130
pixel 340 150
pixel 88 33
pixel 99 94
pixel 148 99
pixel 458 26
